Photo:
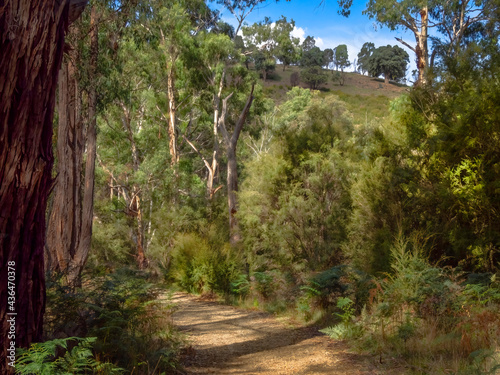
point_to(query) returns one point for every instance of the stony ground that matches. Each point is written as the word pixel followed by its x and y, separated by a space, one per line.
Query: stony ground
pixel 228 340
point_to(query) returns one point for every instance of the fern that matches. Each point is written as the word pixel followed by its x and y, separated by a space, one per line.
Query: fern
pixel 42 359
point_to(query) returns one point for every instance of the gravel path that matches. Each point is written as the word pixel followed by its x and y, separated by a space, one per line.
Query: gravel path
pixel 228 340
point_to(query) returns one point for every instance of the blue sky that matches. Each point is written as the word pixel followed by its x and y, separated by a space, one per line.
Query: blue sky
pixel 329 28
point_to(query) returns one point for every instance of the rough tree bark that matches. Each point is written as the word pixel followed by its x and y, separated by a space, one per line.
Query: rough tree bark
pixel 69 230
pixel 64 225
pixel 31 49
pixel 232 166
pixel 88 187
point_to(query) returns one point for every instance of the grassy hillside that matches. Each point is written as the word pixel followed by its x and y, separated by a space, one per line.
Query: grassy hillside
pixel 367 97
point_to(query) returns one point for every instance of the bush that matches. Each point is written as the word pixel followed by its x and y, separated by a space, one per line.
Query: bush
pixel 431 316
pixel 122 311
pixel 200 267
pixel 314 77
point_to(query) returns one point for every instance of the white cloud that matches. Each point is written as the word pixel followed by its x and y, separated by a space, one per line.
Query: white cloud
pixel 319 42
pixel 298 32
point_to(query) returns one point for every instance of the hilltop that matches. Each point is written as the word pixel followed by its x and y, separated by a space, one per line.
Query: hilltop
pixel 367 98
pixel 355 84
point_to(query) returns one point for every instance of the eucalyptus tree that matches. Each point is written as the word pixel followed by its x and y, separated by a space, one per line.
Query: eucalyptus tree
pixel 328 57
pixel 341 57
pixel 168 30
pixel 452 18
pixel 391 61
pixel 85 86
pixel 29 69
pixel 364 56
pixel 287 50
pixel 260 39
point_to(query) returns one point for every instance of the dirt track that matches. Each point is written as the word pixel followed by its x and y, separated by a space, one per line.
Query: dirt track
pixel 227 340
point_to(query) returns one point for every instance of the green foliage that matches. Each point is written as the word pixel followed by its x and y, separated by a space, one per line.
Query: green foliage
pixel 270 41
pixel 341 57
pixel 46 358
pixel 364 56
pixel 312 58
pixel 313 76
pixel 201 267
pixel 122 312
pixel 346 328
pixel 389 61
pixel 424 312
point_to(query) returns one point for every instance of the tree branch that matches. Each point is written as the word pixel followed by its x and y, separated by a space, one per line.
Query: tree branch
pixel 241 120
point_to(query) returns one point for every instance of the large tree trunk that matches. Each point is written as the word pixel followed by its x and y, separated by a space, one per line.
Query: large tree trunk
pixel 64 226
pixel 422 50
pixel 69 232
pixel 31 50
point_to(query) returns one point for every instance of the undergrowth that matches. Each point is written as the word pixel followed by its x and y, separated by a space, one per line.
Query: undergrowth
pixel 436 319
pixel 120 314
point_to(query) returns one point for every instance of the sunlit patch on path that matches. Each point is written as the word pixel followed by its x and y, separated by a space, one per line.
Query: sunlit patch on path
pixel 227 340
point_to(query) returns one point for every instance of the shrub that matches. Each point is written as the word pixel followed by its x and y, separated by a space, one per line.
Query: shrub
pixel 294 79
pixel 121 310
pixel 199 266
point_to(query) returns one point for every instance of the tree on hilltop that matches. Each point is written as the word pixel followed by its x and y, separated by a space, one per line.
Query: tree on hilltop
pixel 389 61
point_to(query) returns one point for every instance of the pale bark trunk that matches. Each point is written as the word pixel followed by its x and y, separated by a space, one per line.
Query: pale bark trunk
pixel 232 165
pixel 171 113
pixel 171 57
pixel 422 50
pixel 31 45
pixel 135 203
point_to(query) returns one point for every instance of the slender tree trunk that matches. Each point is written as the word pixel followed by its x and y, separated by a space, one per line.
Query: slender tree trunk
pixel 31 50
pixel 232 188
pixel 135 202
pixel 232 165
pixel 171 113
pixel 88 188
pixel 171 56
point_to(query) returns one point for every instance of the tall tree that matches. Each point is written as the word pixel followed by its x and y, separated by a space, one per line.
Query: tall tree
pixel 287 50
pixel 31 46
pixel 308 43
pixel 260 39
pixel 71 215
pixel 231 141
pixel 341 58
pixel 328 57
pixel 364 56
pixel 389 61
pixel 409 14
